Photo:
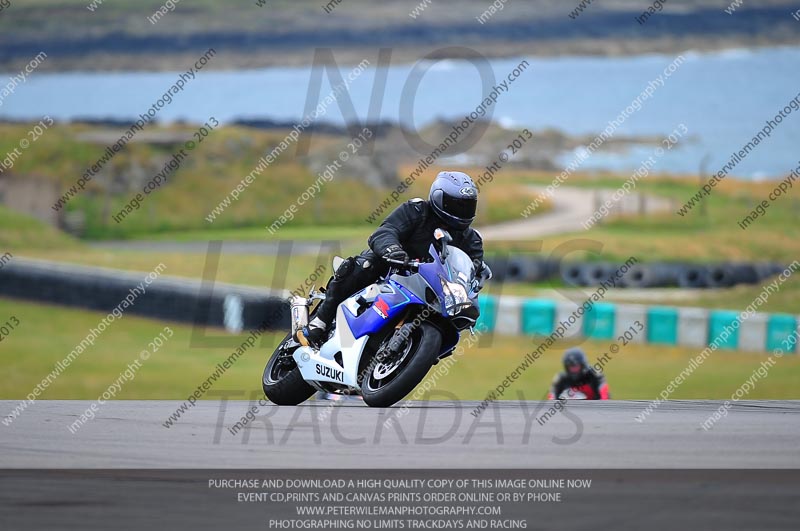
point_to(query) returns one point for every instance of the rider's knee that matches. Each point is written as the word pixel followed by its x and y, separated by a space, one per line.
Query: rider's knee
pixel 355 272
pixel 359 265
pixel 365 263
pixel 345 269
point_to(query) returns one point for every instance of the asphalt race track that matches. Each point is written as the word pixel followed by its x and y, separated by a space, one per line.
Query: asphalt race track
pixel 125 470
pixel 320 434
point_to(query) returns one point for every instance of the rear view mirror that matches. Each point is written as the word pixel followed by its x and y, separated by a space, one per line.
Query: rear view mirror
pixel 442 236
pixel 444 239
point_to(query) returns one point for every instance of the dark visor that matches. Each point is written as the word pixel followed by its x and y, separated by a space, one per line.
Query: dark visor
pixel 463 208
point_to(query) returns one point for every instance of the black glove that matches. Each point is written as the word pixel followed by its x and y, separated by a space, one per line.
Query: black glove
pixel 481 275
pixel 395 252
pixel 485 272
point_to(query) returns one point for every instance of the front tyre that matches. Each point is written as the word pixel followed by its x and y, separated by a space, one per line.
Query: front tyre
pixel 282 382
pixel 387 382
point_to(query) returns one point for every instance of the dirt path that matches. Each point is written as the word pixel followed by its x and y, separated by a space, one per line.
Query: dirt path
pixel 572 207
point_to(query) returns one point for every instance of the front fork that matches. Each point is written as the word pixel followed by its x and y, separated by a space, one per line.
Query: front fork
pixel 398 342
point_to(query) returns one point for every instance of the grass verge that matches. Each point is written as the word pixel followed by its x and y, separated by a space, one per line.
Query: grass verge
pixel 46 334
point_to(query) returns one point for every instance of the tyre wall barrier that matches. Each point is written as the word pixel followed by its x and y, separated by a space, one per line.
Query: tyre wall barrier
pixel 652 275
pixel 662 325
pixel 719 276
pixel 693 276
pixel 594 274
pixel 520 268
pixel 572 273
pixel 524 269
pixel 767 269
pixel 744 274
pixel 233 307
pixel 499 266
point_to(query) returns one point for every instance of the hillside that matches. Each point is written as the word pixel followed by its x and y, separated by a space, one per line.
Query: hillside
pixel 294 191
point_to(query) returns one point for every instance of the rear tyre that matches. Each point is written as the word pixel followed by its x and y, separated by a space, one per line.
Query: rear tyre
pixel 282 382
pixel 386 383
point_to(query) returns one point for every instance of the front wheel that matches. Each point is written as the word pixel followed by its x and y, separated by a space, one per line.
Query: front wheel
pixel 387 382
pixel 282 382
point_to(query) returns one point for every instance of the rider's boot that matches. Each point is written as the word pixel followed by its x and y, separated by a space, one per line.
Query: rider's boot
pixel 314 334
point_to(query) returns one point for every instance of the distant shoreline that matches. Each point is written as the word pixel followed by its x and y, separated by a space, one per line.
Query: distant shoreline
pixel 248 37
pixel 227 60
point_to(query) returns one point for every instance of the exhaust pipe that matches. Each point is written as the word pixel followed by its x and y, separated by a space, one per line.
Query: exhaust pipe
pixel 299 313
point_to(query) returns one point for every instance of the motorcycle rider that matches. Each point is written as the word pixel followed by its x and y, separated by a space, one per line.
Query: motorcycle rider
pixel 406 233
pixel 579 377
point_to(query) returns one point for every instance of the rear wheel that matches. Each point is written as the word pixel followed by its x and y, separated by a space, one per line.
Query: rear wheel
pixel 386 382
pixel 282 382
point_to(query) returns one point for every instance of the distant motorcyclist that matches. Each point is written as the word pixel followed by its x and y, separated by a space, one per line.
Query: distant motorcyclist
pixel 406 233
pixel 579 379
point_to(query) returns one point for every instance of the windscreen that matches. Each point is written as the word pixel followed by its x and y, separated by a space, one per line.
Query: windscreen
pixel 460 266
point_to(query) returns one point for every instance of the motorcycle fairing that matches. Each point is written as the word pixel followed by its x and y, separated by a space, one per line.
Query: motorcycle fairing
pixel 386 308
pixel 343 341
pixel 351 335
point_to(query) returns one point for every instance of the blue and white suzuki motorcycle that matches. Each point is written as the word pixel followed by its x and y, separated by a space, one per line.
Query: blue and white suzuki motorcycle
pixel 387 336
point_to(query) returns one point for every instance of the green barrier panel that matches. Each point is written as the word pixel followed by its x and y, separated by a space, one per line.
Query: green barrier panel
pixel 662 325
pixel 717 321
pixel 598 322
pixel 538 317
pixel 488 318
pixel 781 330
